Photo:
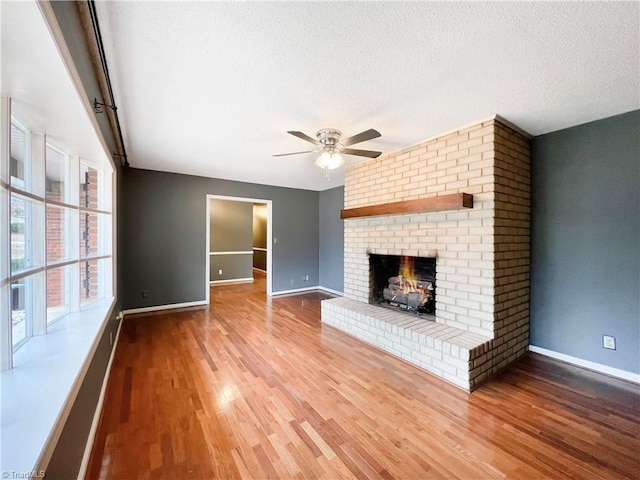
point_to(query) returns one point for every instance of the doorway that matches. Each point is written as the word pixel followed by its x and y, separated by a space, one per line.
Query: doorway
pixel 233 250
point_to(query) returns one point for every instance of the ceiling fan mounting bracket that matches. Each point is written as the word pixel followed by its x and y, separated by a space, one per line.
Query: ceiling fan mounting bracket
pixel 329 136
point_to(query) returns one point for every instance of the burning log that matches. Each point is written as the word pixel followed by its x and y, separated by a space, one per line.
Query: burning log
pixel 401 283
pixel 408 294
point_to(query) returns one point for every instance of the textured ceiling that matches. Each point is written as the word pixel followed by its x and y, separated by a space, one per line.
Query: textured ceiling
pixel 210 88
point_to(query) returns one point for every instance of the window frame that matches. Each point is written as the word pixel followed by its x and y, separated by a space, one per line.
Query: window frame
pixel 35 274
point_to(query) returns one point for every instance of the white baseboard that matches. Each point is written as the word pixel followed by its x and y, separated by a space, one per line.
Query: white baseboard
pixel 330 290
pixel 597 367
pixel 295 290
pixel 231 281
pixel 96 416
pixel 165 307
pixel 307 289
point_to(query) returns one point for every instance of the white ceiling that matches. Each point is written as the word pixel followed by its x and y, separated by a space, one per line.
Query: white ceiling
pixel 210 88
pixel 43 97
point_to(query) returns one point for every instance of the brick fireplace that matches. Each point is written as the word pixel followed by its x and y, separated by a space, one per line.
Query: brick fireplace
pixel 481 321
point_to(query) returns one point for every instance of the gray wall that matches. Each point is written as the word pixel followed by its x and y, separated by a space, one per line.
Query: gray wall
pixel 233 267
pixel 585 241
pixel 260 236
pixel 332 239
pixel 163 232
pixel 260 225
pixel 231 230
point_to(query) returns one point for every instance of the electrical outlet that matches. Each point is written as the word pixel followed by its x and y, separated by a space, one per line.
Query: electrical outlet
pixel 145 293
pixel 609 341
pixel 220 272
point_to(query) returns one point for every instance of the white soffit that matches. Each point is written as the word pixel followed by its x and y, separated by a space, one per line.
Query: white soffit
pixel 43 96
pixel 210 88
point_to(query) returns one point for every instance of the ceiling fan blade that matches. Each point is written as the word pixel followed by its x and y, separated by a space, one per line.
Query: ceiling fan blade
pixel 362 153
pixel 304 136
pixel 360 137
pixel 294 153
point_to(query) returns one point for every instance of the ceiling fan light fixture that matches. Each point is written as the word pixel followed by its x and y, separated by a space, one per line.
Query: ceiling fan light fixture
pixel 330 159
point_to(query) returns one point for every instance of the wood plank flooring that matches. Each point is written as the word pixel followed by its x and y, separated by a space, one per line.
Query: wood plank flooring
pixel 252 387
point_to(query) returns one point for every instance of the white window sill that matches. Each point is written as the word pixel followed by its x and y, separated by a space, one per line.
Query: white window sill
pixel 37 394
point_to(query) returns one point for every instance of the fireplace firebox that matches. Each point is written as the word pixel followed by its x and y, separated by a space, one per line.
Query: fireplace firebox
pixel 402 282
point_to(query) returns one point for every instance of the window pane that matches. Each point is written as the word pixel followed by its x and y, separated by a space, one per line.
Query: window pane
pixel 95 234
pixel 89 187
pixel 21 310
pixel 95 188
pixel 19 156
pixel 59 281
pixel 95 280
pixel 57 175
pixel 88 234
pixel 61 238
pixel 27 238
pixel 89 284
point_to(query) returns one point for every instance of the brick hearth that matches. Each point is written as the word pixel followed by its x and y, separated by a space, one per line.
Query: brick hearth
pixel 482 254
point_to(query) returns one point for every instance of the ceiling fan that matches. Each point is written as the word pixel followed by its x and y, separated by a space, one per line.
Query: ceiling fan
pixel 332 148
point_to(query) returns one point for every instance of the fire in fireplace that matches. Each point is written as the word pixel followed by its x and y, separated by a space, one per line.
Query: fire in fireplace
pixel 403 282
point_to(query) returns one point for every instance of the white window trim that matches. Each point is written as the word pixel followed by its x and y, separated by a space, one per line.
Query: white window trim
pixel 37 395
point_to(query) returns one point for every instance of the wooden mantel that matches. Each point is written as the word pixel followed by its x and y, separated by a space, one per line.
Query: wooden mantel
pixel 454 201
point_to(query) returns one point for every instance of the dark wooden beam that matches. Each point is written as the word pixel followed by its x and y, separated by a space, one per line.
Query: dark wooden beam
pixel 454 201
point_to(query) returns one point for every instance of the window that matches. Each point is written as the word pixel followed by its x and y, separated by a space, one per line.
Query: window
pixel 27 243
pixel 18 167
pixel 58 210
pixel 58 173
pixel 95 276
pixel 62 223
pixel 59 291
pixel 89 187
pixel 21 311
pixel 95 234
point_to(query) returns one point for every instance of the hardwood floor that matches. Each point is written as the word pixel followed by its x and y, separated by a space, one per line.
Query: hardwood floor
pixel 257 388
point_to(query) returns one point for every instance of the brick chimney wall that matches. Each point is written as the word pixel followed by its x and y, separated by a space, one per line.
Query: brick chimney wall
pixel 482 254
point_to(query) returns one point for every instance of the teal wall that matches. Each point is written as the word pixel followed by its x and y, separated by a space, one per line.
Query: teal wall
pixel 585 241
pixel 332 239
